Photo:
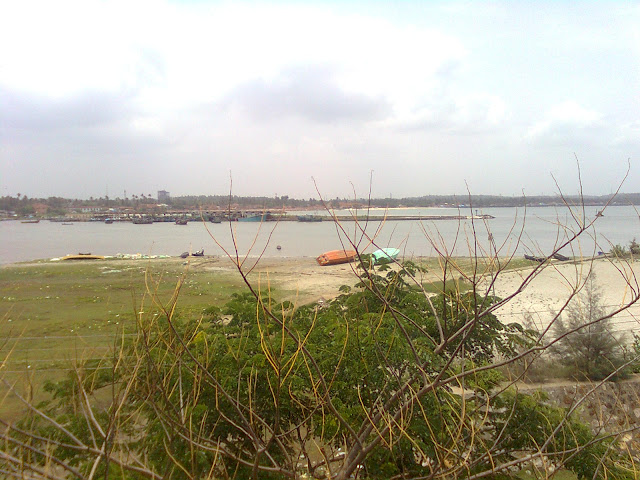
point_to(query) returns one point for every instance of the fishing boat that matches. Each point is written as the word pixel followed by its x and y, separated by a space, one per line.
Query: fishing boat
pixel 385 255
pixel 254 218
pixel 109 221
pixel 83 256
pixel 30 221
pixel 216 220
pixel 335 257
pixel 181 221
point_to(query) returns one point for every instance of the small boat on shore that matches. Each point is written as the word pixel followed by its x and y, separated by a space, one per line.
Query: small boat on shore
pixel 181 221
pixel 67 223
pixel 109 221
pixel 385 255
pixel 336 257
pixel 30 221
pixel 83 256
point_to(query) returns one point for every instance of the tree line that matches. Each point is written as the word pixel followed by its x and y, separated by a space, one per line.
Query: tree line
pixel 24 204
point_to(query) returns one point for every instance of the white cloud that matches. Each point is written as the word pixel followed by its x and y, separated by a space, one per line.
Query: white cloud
pixel 176 55
pixel 455 113
pixel 564 119
pixel 291 88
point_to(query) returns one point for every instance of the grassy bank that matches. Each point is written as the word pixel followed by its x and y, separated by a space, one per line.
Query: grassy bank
pixel 54 314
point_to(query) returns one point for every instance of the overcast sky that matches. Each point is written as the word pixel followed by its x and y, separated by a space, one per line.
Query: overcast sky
pixel 107 96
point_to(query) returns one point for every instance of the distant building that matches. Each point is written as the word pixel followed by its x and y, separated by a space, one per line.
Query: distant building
pixel 163 196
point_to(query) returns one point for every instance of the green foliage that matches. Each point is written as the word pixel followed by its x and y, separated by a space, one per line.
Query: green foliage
pixel 619 251
pixel 588 346
pixel 400 376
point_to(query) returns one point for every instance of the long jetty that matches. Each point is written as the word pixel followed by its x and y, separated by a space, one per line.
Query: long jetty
pixel 266 216
pixel 384 218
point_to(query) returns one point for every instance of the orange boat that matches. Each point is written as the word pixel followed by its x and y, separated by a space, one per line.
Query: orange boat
pixel 334 257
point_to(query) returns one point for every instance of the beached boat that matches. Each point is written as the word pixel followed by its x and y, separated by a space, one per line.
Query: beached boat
pixel 385 255
pixel 83 256
pixel 181 221
pixel 335 257
pixel 254 218
pixel 30 221
pixel 109 221
pixel 215 220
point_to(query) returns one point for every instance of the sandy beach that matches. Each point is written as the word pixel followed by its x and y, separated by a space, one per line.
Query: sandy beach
pixel 549 290
pixel 302 275
pixel 544 293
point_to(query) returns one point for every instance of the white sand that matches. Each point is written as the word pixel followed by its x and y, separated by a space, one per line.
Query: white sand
pixel 549 290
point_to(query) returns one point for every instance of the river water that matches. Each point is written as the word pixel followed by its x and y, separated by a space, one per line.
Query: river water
pixel 535 231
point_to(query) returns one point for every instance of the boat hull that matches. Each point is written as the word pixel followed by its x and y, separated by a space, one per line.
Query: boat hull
pixel 336 257
pixel 83 256
pixel 385 255
pixel 254 218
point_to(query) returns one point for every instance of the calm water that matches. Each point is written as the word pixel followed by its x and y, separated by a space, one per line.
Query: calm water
pixel 538 232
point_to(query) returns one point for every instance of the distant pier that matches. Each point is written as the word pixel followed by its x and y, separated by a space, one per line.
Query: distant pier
pixel 385 218
pixel 242 215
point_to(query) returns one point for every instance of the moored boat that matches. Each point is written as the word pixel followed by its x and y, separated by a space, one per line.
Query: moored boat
pixel 254 218
pixel 335 257
pixel 83 256
pixel 142 221
pixel 181 221
pixel 385 255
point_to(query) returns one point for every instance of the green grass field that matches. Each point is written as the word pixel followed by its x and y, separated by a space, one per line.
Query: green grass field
pixel 56 314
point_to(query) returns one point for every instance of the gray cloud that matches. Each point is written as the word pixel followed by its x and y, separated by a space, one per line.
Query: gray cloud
pixel 306 92
pixel 86 110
